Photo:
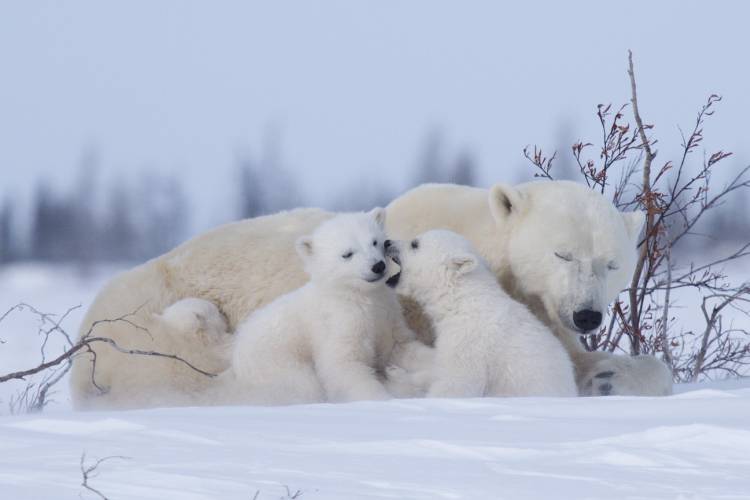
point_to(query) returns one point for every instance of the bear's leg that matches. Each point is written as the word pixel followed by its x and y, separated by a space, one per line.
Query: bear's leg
pixel 409 372
pixel 446 388
pixel 266 371
pixel 192 316
pixel 457 380
pixel 604 374
pixel 298 386
pixel 287 385
pixel 538 365
pixel 347 374
pixel 402 383
pixel 351 381
pixel 198 329
pixel 413 356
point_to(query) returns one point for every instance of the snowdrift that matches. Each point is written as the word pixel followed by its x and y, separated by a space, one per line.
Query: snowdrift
pixel 693 445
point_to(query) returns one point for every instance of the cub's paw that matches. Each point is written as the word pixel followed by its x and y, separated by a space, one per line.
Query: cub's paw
pixel 195 316
pixel 404 384
pixel 627 376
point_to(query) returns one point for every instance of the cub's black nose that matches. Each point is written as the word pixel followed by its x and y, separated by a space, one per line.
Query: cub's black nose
pixel 587 319
pixel 379 268
pixel 387 243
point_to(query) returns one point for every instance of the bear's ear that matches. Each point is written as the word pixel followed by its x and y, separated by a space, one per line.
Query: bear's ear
pixel 634 223
pixel 461 263
pixel 304 247
pixel 504 200
pixel 378 215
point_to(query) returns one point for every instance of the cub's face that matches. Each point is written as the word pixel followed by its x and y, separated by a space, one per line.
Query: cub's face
pixel 431 262
pixel 347 250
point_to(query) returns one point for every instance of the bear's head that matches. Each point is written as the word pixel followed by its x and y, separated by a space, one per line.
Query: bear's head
pixel 566 249
pixel 433 262
pixel 347 250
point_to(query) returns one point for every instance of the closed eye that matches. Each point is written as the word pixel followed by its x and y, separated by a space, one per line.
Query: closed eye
pixel 612 266
pixel 564 256
pixel 347 255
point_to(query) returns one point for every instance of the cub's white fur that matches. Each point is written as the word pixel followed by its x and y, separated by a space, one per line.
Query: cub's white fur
pixel 327 340
pixel 558 247
pixel 486 344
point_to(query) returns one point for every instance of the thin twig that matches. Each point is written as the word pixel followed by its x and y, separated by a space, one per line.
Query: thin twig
pixel 90 472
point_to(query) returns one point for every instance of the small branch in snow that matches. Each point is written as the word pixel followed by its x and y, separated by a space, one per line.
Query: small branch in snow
pixel 90 472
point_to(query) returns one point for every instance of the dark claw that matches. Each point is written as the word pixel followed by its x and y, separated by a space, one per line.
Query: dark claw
pixel 604 374
pixel 605 389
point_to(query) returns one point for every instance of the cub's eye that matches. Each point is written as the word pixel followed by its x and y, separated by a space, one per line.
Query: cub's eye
pixel 612 266
pixel 415 244
pixel 564 256
pixel 374 243
pixel 347 255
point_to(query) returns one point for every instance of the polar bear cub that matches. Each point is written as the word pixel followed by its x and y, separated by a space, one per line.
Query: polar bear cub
pixel 327 340
pixel 486 344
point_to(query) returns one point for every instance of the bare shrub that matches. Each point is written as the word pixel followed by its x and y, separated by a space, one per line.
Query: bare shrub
pixel 36 395
pixel 676 196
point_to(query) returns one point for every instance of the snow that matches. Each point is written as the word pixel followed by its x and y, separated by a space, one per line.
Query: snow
pixel 693 445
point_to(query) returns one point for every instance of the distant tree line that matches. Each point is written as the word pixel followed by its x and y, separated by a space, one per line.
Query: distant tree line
pixel 142 217
pixel 130 222
pixel 136 219
pixel 266 187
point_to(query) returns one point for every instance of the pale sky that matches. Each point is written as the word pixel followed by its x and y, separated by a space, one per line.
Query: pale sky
pixel 350 88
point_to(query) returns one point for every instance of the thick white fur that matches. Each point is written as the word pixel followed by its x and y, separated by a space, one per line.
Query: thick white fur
pixel 240 267
pixel 486 344
pixel 521 232
pixel 327 340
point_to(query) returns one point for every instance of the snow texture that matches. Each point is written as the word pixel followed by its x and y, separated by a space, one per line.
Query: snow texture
pixel 693 445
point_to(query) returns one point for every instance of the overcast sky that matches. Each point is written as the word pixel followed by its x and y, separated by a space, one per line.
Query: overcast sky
pixel 349 88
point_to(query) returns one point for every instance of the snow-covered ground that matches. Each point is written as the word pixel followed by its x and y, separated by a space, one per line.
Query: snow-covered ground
pixel 694 445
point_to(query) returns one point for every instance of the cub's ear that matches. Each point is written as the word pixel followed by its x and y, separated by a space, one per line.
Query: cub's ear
pixel 504 200
pixel 634 223
pixel 378 214
pixel 462 263
pixel 304 247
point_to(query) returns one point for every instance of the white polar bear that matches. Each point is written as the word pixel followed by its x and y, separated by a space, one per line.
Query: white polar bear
pixel 247 264
pixel 558 247
pixel 486 344
pixel 326 340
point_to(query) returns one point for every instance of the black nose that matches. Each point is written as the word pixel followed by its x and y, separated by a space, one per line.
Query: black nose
pixel 386 243
pixel 379 267
pixel 587 319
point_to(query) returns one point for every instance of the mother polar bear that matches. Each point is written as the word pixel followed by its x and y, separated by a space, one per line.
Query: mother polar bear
pixel 556 246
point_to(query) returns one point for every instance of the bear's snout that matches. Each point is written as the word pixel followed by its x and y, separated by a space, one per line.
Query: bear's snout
pixel 587 319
